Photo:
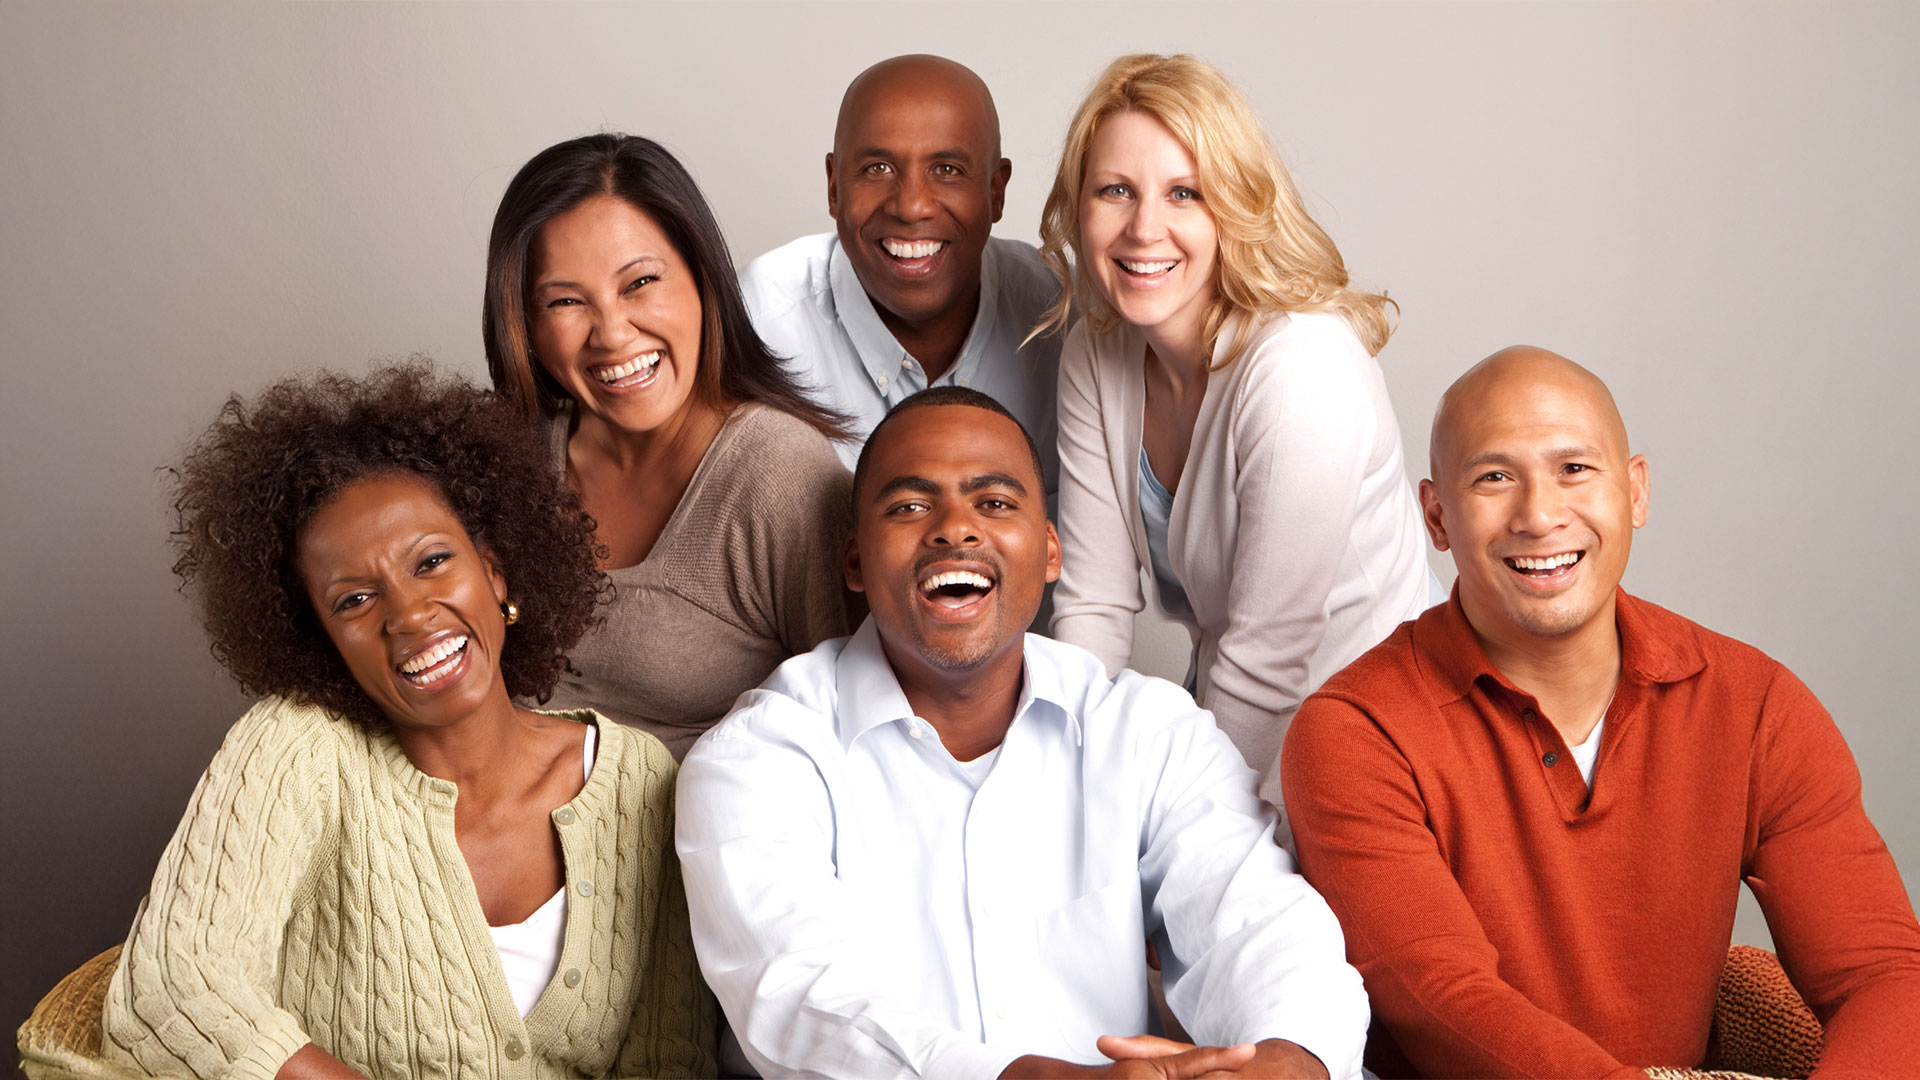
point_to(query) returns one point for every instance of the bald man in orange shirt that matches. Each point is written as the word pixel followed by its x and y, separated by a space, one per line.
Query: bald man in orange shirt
pixel 1533 806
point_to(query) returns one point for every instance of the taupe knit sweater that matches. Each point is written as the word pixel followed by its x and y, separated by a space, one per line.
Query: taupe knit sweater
pixel 745 574
pixel 315 892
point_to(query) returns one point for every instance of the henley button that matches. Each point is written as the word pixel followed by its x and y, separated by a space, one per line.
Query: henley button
pixel 961 382
pixel 1529 716
pixel 516 1049
pixel 585 888
pixel 572 978
pixel 1550 759
pixel 564 815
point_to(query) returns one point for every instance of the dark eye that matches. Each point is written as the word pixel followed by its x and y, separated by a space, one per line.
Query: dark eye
pixel 349 601
pixel 909 507
pixel 561 301
pixel 947 168
pixel 433 560
pixel 876 168
pixel 1495 476
pixel 643 280
pixel 1577 467
pixel 996 503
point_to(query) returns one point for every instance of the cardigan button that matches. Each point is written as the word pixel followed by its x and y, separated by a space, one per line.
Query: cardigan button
pixel 563 816
pixel 572 978
pixel 585 888
pixel 1550 759
pixel 516 1049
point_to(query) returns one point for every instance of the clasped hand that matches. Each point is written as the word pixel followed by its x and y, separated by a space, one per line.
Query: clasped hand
pixel 1149 1057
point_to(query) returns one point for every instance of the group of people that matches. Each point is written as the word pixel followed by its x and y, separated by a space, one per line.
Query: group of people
pixel 689 665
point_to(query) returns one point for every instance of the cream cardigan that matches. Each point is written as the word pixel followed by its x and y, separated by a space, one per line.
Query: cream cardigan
pixel 1294 530
pixel 315 892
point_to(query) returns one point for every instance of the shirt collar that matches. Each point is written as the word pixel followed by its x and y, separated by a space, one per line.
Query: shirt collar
pixel 1654 647
pixel 868 695
pixel 880 352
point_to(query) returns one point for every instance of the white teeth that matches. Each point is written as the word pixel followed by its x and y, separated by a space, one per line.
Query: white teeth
pixel 955 577
pixel 1143 266
pixel 912 249
pixel 431 657
pixel 1551 562
pixel 639 363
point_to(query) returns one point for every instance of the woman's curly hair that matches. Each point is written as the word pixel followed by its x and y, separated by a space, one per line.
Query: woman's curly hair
pixel 249 486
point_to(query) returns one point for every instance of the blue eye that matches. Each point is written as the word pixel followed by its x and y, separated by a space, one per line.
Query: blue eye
pixel 1183 194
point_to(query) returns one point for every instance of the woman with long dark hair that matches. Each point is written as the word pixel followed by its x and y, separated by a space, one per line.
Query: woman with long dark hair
pixel 613 316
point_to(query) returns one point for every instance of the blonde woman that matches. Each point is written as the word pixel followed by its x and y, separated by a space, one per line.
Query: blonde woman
pixel 1224 426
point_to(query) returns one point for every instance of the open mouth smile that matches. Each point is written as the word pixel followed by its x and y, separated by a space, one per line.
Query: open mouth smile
pixel 434 663
pixel 631 374
pixel 1147 268
pixel 957 594
pixel 913 256
pixel 1546 569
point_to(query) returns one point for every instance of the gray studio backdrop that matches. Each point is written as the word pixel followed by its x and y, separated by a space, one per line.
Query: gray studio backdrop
pixel 1710 205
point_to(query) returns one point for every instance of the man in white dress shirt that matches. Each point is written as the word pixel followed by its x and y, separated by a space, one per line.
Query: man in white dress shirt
pixel 911 291
pixel 936 848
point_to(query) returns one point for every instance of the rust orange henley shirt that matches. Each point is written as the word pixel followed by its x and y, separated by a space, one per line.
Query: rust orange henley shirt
pixel 1507 924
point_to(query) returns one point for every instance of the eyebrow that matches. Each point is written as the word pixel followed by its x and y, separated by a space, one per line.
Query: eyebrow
pixel 898 484
pixel 992 479
pixel 1558 453
pixel 558 284
pixel 954 153
pixel 923 486
pixel 411 547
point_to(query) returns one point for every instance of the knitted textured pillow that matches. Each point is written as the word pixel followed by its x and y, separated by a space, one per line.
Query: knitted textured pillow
pixel 1760 1024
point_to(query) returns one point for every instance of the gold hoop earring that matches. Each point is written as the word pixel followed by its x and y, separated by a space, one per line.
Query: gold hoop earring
pixel 511 610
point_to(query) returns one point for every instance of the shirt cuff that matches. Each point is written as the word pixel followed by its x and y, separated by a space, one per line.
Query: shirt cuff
pixel 276 1041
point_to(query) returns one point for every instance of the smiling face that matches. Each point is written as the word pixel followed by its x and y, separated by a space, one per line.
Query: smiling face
pixel 1147 238
pixel 410 603
pixel 914 184
pixel 1535 495
pixel 615 315
pixel 951 542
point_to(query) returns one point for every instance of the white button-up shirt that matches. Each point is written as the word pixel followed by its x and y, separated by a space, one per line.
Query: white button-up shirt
pixel 808 305
pixel 863 906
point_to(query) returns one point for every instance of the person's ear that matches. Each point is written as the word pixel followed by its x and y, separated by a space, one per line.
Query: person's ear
pixel 1637 488
pixel 997 187
pixel 1053 553
pixel 1430 513
pixel 851 565
pixel 833 191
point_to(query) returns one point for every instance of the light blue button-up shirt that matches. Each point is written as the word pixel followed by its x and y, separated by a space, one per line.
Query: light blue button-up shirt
pixel 863 905
pixel 808 305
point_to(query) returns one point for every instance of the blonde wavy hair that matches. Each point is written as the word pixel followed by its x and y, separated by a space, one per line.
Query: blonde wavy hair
pixel 1273 255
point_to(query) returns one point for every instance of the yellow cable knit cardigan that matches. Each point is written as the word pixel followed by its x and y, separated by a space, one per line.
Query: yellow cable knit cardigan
pixel 314 891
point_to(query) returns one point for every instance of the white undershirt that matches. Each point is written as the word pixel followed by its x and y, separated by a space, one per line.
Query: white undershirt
pixel 1588 752
pixel 530 949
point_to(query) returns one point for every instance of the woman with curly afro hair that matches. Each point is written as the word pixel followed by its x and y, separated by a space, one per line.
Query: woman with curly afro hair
pixel 391 868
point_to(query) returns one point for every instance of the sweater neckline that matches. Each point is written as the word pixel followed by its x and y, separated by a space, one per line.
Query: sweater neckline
pixel 435 791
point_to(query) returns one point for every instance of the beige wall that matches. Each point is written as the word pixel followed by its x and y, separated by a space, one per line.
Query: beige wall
pixel 1707 204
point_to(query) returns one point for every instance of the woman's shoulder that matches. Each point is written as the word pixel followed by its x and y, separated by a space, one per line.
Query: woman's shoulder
pixel 1307 336
pixel 280 723
pixel 769 453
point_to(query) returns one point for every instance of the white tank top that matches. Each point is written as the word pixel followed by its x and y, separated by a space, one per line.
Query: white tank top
pixel 530 949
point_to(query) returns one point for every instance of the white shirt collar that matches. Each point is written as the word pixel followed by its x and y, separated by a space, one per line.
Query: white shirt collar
pixel 869 694
pixel 879 350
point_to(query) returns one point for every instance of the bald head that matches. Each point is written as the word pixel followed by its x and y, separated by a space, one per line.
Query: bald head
pixel 1536 496
pixel 1514 382
pixel 922 76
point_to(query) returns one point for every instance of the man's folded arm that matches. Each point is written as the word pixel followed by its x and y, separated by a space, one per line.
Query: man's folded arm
pixel 781 939
pixel 1432 975
pixel 1252 951
pixel 1840 918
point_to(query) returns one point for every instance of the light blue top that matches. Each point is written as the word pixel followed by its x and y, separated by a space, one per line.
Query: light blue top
pixel 808 305
pixel 1156 507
